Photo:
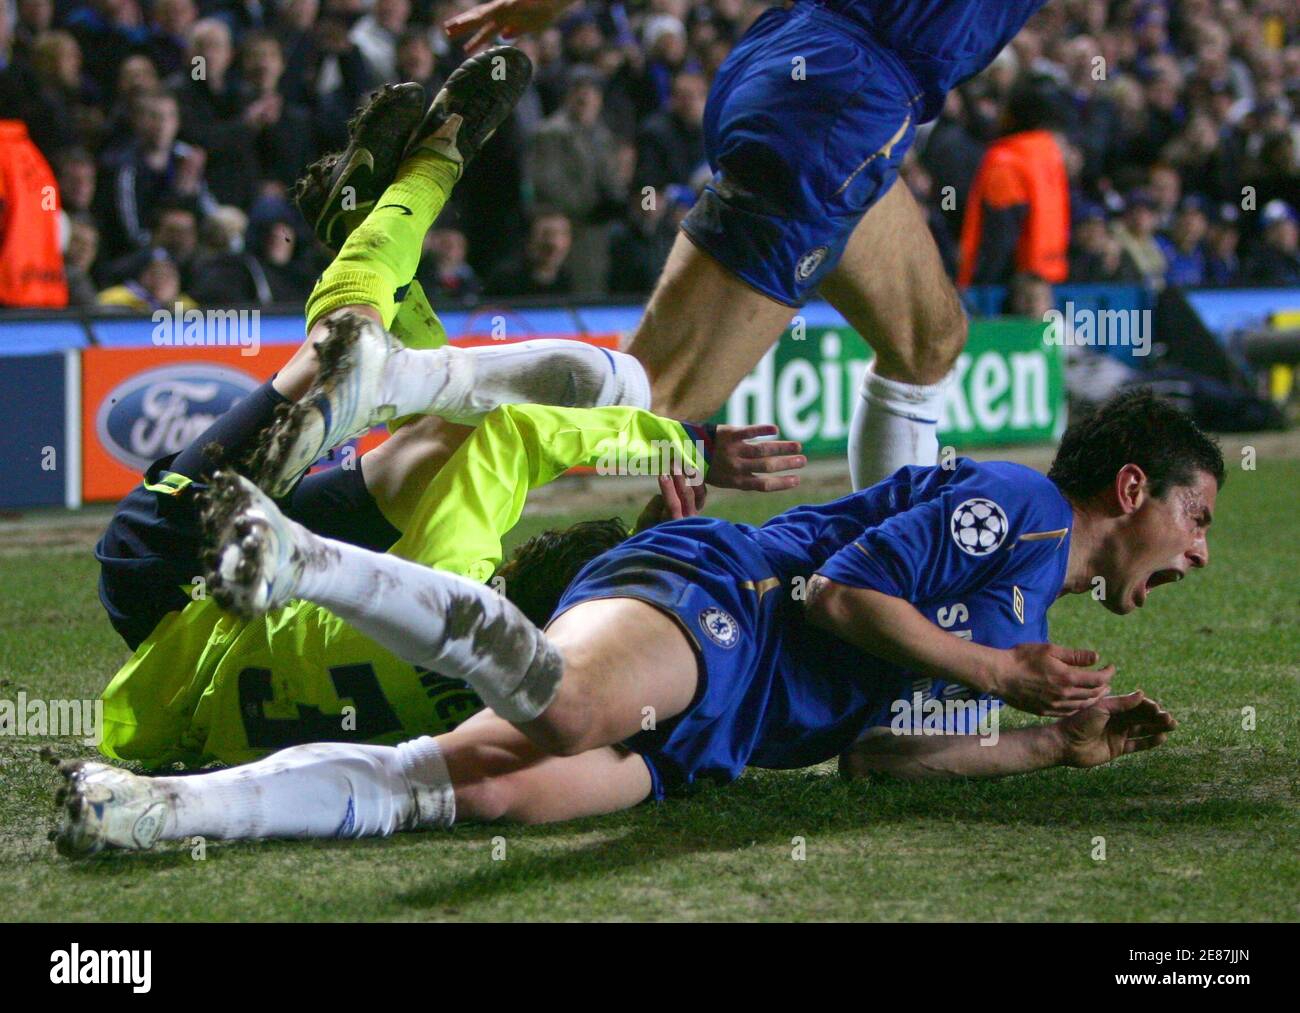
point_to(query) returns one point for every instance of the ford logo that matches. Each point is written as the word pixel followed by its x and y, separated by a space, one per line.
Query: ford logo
pixel 162 411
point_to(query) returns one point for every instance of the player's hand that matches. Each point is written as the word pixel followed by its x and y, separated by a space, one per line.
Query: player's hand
pixel 742 461
pixel 1115 725
pixel 679 496
pixel 1050 680
pixel 480 25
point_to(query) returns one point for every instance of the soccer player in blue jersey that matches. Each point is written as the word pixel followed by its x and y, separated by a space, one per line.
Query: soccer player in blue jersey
pixel 700 647
pixel 807 124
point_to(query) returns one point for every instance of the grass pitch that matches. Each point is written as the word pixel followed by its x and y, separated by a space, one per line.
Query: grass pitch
pixel 1205 828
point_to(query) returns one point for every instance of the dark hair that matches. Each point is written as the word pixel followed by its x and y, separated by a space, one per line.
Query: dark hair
pixel 539 571
pixel 1134 427
pixel 1037 103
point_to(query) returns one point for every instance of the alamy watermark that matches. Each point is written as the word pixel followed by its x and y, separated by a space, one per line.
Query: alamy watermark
pixel 178 327
pixel 928 715
pixel 658 457
pixel 1093 328
pixel 77 719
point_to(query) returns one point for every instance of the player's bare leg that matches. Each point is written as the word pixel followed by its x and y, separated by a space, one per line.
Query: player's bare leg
pixel 498 773
pixel 890 285
pixel 625 663
pixel 398 471
pixel 484 771
pixel 702 331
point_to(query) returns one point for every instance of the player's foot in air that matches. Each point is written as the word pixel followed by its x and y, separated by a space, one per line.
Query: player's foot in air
pixel 477 97
pixel 342 404
pixel 336 192
pixel 106 807
pixel 255 553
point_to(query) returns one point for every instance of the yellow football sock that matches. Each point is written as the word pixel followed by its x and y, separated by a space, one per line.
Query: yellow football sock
pixel 382 253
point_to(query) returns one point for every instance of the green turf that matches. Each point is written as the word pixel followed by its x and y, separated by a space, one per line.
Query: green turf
pixel 1204 828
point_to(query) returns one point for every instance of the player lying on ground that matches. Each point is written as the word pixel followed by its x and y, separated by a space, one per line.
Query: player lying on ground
pixel 686 652
pixel 807 124
pixel 203 685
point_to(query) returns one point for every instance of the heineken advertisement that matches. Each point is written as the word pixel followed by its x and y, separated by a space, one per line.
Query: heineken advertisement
pixel 1010 387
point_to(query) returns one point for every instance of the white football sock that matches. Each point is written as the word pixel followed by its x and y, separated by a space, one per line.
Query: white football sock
pixel 894 424
pixel 464 384
pixel 325 789
pixel 436 620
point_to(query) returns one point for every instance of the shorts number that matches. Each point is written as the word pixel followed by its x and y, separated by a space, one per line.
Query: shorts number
pixel 357 683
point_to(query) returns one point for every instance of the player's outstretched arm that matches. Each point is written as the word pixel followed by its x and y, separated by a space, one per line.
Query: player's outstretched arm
pixel 1043 679
pixel 478 26
pixel 1111 728
pixel 479 495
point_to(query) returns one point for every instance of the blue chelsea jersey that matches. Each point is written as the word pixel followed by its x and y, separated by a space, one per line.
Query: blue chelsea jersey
pixel 980 550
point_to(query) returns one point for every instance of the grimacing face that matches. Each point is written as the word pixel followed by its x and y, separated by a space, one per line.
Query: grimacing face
pixel 1164 538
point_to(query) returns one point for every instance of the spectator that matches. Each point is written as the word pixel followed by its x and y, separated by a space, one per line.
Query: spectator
pixel 640 242
pixel 34 18
pixel 337 77
pixel 1019 215
pixel 157 287
pixel 949 149
pixel 151 169
pixel 1222 266
pixel 1029 295
pixel 1136 235
pixel 253 260
pixel 1184 248
pixel 572 168
pixel 174 232
pixel 79 261
pixel 1165 187
pixel 108 31
pixel 240 16
pixel 1277 262
pixel 136 77
pixel 280 130
pixel 666 53
pixel 169 31
pixel 542 271
pixel 1096 256
pixel 376 36
pixel 76 175
pixel 212 105
pixel 444 273
pixel 61 108
pixel 670 147
pixel 416 62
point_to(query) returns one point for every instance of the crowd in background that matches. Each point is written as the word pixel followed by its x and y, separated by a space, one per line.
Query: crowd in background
pixel 176 129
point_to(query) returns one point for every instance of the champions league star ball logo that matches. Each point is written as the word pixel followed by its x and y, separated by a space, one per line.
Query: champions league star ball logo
pixel 719 627
pixel 978 527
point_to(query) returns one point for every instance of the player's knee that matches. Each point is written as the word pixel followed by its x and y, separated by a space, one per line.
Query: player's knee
pixel 559 735
pixel 485 800
pixel 941 347
pixel 929 353
pixel 566 727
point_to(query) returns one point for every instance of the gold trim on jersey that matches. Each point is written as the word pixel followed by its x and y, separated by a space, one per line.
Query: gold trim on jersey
pixel 761 587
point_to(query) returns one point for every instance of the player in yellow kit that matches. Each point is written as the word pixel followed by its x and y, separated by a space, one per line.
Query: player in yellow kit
pixel 203 685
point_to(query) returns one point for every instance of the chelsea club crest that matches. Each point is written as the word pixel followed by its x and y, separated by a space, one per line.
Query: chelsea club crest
pixel 719 627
